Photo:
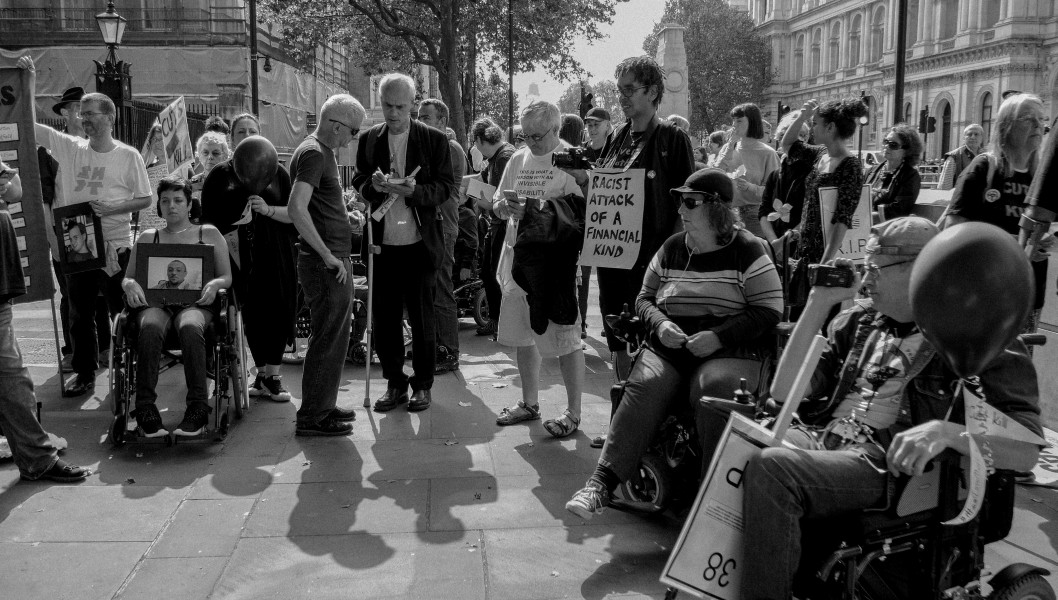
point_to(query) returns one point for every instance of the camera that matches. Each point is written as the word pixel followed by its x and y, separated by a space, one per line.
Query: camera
pixel 828 276
pixel 571 159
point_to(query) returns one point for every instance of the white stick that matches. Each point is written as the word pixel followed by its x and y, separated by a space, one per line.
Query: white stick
pixel 800 386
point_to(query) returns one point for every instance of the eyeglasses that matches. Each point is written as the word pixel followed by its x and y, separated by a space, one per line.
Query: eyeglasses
pixel 352 130
pixel 890 144
pixel 536 137
pixel 90 114
pixel 628 92
pixel 874 270
pixel 699 198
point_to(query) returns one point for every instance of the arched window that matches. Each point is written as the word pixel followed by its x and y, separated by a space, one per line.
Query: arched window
pixel 877 35
pixel 835 47
pixel 944 128
pixel 912 22
pixel 817 49
pixel 949 19
pixel 854 41
pixel 799 58
pixel 991 13
pixel 986 115
pixel 907 114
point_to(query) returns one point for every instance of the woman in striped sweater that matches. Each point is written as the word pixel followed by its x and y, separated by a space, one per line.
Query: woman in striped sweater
pixel 709 298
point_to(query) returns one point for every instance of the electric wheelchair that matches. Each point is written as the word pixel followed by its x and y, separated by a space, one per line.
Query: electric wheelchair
pixel 226 353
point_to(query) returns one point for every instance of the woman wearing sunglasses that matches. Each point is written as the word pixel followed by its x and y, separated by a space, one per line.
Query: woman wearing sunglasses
pixel 709 299
pixel 895 182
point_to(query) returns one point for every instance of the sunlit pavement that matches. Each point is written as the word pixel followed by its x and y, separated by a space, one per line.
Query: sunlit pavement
pixel 438 504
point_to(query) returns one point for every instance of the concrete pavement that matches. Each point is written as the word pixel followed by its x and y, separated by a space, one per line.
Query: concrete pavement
pixel 438 504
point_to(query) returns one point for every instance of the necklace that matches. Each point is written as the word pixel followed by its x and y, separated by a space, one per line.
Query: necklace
pixel 178 232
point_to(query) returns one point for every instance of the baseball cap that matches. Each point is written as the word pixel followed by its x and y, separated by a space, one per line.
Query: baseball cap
pixel 903 236
pixel 597 114
pixel 71 95
pixel 708 181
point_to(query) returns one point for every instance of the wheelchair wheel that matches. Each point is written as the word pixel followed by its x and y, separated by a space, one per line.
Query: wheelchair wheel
pixel 1027 587
pixel 650 489
pixel 481 308
pixel 358 353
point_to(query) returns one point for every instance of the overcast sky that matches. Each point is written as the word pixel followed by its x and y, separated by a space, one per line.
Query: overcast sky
pixel 632 22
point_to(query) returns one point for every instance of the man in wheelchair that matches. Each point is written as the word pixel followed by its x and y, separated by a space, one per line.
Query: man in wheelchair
pixel 153 323
pixel 881 404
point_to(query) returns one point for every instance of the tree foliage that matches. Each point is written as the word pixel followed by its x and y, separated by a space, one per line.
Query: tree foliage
pixel 728 62
pixel 452 36
pixel 490 99
pixel 606 96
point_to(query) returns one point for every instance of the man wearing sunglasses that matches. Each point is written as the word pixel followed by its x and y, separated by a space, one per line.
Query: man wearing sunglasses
pixel 876 409
pixel 664 152
pixel 317 209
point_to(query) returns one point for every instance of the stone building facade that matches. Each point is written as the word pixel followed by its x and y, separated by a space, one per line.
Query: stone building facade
pixel 961 55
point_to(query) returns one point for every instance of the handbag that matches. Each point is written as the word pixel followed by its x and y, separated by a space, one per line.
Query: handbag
pixel 505 264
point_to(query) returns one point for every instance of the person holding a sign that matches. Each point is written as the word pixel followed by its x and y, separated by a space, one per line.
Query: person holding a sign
pixel 33 451
pixel 895 182
pixel 110 176
pixel 833 123
pixel 710 298
pixel 661 152
pixel 877 408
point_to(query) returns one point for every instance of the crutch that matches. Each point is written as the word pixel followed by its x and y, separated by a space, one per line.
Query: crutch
pixel 372 250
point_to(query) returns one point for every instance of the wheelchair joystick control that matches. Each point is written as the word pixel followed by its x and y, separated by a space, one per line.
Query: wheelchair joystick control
pixel 742 394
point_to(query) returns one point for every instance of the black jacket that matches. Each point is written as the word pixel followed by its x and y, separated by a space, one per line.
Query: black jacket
pixel 428 149
pixel 899 190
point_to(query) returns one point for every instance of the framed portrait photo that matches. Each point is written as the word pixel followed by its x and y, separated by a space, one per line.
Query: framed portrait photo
pixel 80 234
pixel 173 274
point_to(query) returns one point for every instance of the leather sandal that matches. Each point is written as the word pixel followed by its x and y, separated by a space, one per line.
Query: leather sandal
pixel 562 426
pixel 518 413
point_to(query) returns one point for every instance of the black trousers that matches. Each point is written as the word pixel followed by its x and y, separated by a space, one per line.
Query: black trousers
pixel 405 277
pixel 84 289
pixel 490 262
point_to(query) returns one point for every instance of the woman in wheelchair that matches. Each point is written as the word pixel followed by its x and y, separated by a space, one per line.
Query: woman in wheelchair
pixel 191 322
pixel 710 297
pixel 880 405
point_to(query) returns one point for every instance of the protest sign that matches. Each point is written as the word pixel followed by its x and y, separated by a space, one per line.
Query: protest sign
pixel 613 221
pixel 176 139
pixel 855 243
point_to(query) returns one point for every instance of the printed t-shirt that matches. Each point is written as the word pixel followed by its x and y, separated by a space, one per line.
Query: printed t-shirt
pixel 535 177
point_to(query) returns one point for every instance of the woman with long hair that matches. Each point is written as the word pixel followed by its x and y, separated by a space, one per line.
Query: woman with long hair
pixel 895 182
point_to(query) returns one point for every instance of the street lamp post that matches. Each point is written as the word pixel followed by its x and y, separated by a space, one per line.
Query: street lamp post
pixel 112 76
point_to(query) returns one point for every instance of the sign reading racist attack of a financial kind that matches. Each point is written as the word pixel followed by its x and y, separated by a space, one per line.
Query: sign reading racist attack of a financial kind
pixel 613 221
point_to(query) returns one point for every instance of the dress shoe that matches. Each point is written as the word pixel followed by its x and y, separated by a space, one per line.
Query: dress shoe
pixel 390 400
pixel 342 414
pixel 80 386
pixel 420 400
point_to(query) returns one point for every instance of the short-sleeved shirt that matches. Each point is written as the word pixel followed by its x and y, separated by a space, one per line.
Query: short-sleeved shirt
pixel 314 163
pixel 535 177
pixel 86 175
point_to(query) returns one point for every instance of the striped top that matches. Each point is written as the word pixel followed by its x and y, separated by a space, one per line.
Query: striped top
pixel 733 291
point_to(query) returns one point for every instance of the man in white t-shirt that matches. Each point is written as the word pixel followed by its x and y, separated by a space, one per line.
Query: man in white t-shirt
pixel 110 176
pixel 539 311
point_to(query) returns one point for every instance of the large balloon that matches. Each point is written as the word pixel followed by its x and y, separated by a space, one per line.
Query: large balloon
pixel 971 291
pixel 255 161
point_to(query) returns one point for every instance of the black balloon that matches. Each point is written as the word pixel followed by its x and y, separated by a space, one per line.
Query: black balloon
pixel 255 161
pixel 971 291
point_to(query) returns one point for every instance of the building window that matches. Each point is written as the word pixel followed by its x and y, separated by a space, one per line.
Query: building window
pixel 854 41
pixel 907 114
pixel 817 43
pixel 986 116
pixel 912 22
pixel 949 19
pixel 835 47
pixel 799 58
pixel 878 35
pixel 991 13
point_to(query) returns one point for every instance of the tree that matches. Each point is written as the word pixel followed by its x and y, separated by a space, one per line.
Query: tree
pixel 451 36
pixel 729 63
pixel 490 99
pixel 606 96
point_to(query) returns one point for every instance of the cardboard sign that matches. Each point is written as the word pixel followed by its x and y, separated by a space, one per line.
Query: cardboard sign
pixel 613 221
pixel 855 242
pixel 176 140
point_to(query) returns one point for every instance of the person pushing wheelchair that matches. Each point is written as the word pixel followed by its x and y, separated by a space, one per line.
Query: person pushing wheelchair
pixel 881 403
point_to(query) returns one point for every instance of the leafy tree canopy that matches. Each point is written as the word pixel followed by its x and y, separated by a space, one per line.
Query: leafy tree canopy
pixel 606 96
pixel 728 62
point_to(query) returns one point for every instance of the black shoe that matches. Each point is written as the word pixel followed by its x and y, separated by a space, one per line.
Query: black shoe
pixel 328 427
pixel 62 472
pixel 486 329
pixel 81 385
pixel 149 421
pixel 420 400
pixel 391 399
pixel 196 417
pixel 67 363
pixel 342 414
pixel 273 388
pixel 446 361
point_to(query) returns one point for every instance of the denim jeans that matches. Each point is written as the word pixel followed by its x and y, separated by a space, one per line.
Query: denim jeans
pixel 32 449
pixel 404 277
pixel 655 389
pixel 84 291
pixel 784 485
pixel 153 326
pixel 447 325
pixel 331 307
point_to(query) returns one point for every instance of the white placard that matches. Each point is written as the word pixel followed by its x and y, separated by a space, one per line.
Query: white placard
pixel 21 243
pixel 17 223
pixel 175 137
pixel 9 155
pixel 613 219
pixel 855 243
pixel 25 262
pixel 14 208
pixel 8 132
pixel 482 192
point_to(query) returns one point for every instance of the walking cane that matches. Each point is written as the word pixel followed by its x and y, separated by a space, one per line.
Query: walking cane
pixel 372 249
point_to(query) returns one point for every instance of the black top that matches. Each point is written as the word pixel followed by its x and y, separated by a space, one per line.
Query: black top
pixel 314 164
pixel 12 281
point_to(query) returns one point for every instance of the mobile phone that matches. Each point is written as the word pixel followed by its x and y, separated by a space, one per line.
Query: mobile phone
pixel 512 196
